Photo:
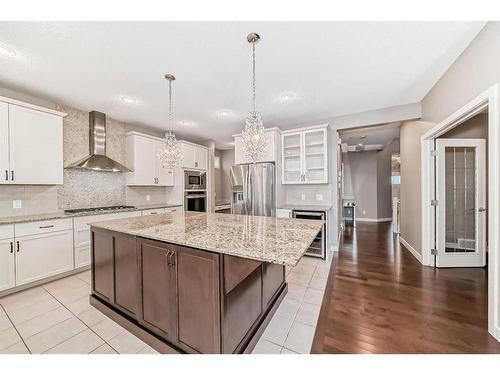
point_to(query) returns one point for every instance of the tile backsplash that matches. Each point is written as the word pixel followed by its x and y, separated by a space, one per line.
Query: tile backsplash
pixel 294 194
pixel 81 188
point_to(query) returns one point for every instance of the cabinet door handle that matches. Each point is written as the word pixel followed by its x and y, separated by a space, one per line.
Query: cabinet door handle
pixel 12 175
pixel 17 243
pixel 167 257
pixel 172 261
pixel 195 163
pixel 46 226
pixel 11 247
pixel 6 175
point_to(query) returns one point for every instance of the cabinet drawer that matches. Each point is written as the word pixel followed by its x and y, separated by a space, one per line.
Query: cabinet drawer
pixel 153 211
pixel 173 209
pixel 6 231
pixel 82 228
pixel 40 227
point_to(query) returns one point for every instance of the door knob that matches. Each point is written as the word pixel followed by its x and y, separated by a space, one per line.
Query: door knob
pixel 481 209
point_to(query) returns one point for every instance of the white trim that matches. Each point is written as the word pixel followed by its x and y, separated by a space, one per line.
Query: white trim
pixel 31 106
pixel 411 249
pixel 274 129
pixel 305 128
pixel 487 99
pixel 370 220
pixel 144 135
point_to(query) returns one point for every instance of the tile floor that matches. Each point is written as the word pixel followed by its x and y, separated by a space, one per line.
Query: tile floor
pixel 57 318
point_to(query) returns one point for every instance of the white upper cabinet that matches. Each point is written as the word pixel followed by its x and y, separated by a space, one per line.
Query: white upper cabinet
pixel 270 151
pixel 142 159
pixel 304 156
pixel 31 145
pixel 194 156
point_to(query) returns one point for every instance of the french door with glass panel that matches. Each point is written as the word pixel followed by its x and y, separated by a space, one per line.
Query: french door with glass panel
pixel 461 202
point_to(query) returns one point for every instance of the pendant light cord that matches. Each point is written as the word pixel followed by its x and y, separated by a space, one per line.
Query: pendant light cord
pixel 170 106
pixel 253 73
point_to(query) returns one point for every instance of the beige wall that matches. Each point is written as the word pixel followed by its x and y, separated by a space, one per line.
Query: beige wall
pixel 475 70
pixel 227 161
pixel 410 188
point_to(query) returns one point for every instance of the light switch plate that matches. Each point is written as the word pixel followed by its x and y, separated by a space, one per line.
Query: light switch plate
pixel 17 203
pixel 319 197
pixel 303 197
pixel 148 197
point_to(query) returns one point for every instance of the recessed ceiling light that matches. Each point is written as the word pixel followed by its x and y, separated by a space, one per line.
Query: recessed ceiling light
pixel 360 144
pixel 186 123
pixel 223 113
pixel 7 51
pixel 363 137
pixel 287 97
pixel 128 99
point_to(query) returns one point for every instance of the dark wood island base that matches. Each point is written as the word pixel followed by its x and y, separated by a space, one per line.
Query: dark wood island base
pixel 179 299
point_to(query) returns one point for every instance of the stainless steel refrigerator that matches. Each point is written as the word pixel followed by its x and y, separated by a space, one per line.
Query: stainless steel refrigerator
pixel 253 189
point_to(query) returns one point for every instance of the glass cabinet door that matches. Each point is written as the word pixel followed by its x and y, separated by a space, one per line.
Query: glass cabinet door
pixel 292 163
pixel 315 156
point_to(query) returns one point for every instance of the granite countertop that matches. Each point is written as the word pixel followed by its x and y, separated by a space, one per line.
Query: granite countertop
pixel 63 215
pixel 267 239
pixel 306 207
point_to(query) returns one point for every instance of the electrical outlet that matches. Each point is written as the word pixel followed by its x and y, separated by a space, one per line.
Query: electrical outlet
pixel 303 197
pixel 17 203
pixel 319 197
pixel 148 197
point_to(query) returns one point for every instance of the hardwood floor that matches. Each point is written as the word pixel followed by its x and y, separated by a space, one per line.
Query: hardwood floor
pixel 380 299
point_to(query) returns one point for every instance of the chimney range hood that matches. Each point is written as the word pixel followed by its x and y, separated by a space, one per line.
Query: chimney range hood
pixel 97 160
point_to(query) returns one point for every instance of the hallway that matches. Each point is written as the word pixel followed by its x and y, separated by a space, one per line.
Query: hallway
pixel 380 299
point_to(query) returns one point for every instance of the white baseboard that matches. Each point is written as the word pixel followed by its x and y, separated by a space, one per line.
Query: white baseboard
pixel 374 220
pixel 410 248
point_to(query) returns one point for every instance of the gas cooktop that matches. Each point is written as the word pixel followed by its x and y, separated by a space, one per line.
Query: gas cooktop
pixel 92 209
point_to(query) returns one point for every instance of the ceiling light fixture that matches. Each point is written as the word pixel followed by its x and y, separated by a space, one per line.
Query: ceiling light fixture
pixel 7 51
pixel 128 100
pixel 254 136
pixel 363 137
pixel 170 155
pixel 223 113
pixel 287 97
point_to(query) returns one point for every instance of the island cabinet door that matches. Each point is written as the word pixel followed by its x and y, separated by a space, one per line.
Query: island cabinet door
pixel 126 274
pixel 198 299
pixel 102 264
pixel 157 288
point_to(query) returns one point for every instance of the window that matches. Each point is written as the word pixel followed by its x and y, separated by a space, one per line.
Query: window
pixel 217 162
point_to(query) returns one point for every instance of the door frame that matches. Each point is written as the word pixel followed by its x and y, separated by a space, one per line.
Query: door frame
pixel 487 99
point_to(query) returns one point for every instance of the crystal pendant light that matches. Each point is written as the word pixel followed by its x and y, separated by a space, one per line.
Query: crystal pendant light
pixel 253 136
pixel 170 155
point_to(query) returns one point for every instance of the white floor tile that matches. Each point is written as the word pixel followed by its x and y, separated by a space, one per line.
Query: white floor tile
pixel 296 291
pixel 147 350
pixel 18 348
pixel 299 278
pixel 23 299
pixel 266 347
pixel 305 269
pixel 314 296
pixel 277 329
pixel 85 276
pixel 322 270
pixel 300 338
pixel 44 321
pixel 24 314
pixel 287 351
pixel 67 296
pixel 9 337
pixel 4 322
pixel 308 261
pixel 55 335
pixel 82 343
pixel 318 282
pixel 91 316
pixel 288 307
pixel 104 349
pixel 67 283
pixel 308 314
pixel 126 343
pixel 107 329
pixel 78 306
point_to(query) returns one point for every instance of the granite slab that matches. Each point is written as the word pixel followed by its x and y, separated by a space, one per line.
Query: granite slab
pixel 266 239
pixel 63 215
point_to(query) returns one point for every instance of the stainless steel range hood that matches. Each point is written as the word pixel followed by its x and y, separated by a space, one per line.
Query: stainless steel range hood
pixel 97 160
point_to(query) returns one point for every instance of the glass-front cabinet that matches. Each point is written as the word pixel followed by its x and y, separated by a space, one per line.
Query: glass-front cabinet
pixel 304 156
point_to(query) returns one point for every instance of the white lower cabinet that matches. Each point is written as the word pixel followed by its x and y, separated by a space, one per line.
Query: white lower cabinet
pixel 43 255
pixel 7 266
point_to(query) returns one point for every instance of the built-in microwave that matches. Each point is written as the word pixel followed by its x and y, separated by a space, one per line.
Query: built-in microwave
pixel 195 180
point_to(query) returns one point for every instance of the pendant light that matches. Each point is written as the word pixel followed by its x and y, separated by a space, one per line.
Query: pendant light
pixel 254 136
pixel 170 155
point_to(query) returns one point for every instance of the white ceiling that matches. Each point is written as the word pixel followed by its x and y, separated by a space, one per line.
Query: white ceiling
pixel 334 68
pixel 372 135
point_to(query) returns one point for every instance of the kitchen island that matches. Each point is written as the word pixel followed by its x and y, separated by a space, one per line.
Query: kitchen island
pixel 190 282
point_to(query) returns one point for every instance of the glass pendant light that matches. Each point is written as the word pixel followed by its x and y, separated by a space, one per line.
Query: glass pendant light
pixel 170 155
pixel 254 136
